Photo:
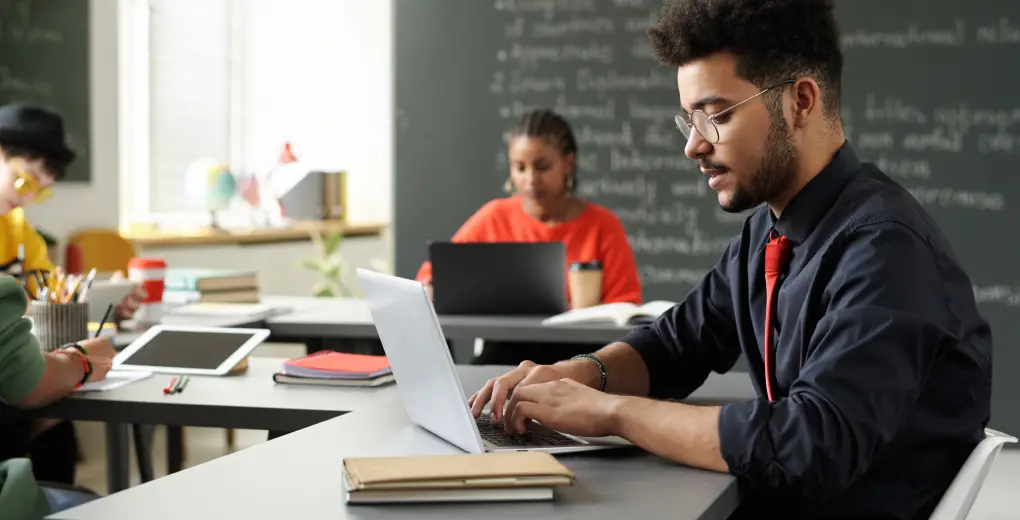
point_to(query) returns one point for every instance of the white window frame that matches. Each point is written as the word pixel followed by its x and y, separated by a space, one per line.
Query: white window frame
pixel 134 56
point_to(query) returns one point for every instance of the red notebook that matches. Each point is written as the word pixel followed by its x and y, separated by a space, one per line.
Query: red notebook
pixel 337 365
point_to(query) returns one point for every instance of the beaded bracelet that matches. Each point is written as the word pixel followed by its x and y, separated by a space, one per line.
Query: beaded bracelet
pixel 602 368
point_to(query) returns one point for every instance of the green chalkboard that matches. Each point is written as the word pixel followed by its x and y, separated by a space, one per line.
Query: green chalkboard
pixel 930 94
pixel 44 60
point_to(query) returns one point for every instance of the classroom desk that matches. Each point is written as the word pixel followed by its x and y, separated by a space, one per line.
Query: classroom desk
pixel 350 318
pixel 298 476
pixel 251 400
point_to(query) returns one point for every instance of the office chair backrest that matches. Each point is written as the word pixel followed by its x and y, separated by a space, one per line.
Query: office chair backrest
pixel 958 499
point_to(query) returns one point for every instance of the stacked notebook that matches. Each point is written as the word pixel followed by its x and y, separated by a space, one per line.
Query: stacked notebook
pixel 481 477
pixel 184 285
pixel 336 369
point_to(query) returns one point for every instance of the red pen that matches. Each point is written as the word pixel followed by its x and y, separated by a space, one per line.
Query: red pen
pixel 167 388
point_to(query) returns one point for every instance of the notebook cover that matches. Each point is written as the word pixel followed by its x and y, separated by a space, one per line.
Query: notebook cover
pixel 329 361
pixel 490 469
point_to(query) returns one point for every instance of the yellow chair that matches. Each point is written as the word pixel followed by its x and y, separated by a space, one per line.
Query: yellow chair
pixel 101 249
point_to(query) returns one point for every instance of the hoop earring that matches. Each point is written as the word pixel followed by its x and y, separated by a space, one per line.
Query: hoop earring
pixel 508 186
pixel 570 182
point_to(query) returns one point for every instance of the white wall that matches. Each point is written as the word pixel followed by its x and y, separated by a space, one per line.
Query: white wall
pixel 93 204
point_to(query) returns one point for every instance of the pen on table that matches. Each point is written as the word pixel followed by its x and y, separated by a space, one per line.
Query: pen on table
pixel 169 388
pixel 106 317
pixel 181 384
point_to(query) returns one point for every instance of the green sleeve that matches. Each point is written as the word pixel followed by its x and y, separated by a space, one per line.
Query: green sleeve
pixel 20 495
pixel 21 361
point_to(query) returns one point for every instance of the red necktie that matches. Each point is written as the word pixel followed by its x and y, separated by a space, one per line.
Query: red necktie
pixel 777 255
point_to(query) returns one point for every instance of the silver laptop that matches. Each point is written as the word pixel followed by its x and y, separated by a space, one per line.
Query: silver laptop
pixel 427 379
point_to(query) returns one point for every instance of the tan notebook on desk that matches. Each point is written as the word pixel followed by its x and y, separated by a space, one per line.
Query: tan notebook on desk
pixel 505 476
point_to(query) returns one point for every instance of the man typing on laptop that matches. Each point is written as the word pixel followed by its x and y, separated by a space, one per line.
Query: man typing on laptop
pixel 871 361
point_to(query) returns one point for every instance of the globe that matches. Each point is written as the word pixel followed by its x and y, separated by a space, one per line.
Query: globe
pixel 221 188
pixel 210 182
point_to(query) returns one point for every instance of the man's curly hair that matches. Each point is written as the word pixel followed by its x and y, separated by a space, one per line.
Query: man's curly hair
pixel 772 40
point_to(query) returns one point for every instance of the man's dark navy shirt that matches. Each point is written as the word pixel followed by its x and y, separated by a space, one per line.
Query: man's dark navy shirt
pixel 883 362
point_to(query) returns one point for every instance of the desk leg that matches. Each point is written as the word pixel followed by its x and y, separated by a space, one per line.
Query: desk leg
pixel 118 461
pixel 174 449
pixel 313 345
pixel 142 434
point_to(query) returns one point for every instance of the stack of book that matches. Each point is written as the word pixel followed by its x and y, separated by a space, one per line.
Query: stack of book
pixel 336 369
pixel 183 286
pixel 475 477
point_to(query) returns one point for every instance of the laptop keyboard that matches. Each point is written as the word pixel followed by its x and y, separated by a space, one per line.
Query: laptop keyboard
pixel 537 435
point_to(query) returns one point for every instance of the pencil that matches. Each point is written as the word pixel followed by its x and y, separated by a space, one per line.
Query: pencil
pixel 106 316
pixel 74 289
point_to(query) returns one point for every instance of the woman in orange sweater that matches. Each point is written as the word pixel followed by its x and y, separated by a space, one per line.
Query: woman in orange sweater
pixel 542 207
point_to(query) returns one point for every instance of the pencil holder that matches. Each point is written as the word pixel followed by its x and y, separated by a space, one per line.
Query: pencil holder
pixel 57 324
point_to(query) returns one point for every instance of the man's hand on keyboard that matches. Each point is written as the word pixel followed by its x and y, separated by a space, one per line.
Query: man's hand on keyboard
pixel 563 405
pixel 499 389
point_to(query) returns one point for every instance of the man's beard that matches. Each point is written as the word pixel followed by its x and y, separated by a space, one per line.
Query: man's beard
pixel 774 174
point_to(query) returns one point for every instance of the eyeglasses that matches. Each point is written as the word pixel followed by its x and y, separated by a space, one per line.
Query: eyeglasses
pixel 27 185
pixel 706 124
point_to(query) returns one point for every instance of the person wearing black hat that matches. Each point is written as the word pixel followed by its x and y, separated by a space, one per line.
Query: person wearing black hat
pixel 33 157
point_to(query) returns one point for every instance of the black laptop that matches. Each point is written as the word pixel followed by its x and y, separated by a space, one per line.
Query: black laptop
pixel 499 278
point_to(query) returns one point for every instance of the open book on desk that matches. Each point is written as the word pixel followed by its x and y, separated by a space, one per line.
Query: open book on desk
pixel 622 314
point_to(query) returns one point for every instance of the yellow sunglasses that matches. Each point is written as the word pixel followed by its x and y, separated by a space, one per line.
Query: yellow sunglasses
pixel 26 184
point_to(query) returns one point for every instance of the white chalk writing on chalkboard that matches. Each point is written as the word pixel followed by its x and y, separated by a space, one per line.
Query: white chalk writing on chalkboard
pixel 635 160
pixel 892 111
pixel 951 198
pixel 662 136
pixel 1001 142
pixel 18 27
pixel 682 219
pixel 605 111
pixel 630 3
pixel 548 8
pixel 999 294
pixel 11 84
pixel 698 245
pixel 1001 33
pixel 904 168
pixel 643 111
pixel 533 55
pixel 655 275
pixel 913 35
pixel 612 81
pixel 636 187
pixel 623 136
pixel 572 27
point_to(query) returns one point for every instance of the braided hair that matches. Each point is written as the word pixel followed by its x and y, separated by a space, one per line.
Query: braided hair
pixel 552 128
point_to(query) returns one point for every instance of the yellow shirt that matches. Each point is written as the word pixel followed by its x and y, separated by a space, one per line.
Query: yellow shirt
pixel 15 231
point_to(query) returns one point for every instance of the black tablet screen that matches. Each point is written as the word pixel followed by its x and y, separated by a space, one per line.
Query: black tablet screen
pixel 188 349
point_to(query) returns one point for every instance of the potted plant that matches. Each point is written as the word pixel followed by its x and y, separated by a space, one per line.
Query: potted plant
pixel 330 265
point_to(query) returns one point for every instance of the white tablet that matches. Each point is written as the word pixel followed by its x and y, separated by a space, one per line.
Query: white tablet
pixel 103 293
pixel 189 350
